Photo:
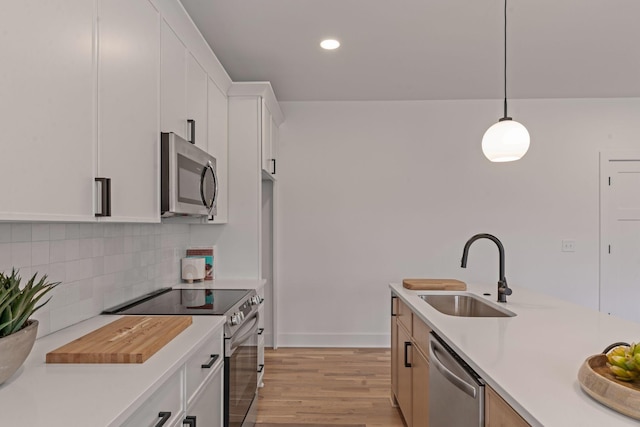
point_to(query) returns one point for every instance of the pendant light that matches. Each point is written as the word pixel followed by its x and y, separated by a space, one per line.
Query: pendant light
pixel 506 140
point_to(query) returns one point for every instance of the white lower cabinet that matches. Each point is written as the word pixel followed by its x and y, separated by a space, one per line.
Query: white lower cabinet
pixel 163 408
pixel 205 408
pixel 192 395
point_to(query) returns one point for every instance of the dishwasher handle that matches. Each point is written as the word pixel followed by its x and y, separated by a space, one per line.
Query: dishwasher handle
pixel 450 376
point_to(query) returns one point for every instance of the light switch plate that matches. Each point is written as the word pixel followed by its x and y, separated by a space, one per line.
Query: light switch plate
pixel 568 245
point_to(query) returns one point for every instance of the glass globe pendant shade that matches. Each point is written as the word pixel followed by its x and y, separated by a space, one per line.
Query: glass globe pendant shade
pixel 505 141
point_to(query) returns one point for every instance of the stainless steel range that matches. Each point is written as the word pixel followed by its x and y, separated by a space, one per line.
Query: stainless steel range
pixel 240 338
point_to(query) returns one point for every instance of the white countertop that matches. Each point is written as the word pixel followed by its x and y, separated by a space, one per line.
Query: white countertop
pixel 223 284
pixel 532 359
pixel 52 395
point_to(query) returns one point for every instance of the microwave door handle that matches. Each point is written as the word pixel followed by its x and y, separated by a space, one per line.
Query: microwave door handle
pixel 215 186
pixel 208 167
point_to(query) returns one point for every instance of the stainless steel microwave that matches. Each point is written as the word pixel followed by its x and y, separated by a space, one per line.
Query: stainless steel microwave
pixel 189 183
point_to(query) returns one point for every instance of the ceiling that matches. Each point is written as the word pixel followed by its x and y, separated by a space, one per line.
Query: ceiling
pixel 427 49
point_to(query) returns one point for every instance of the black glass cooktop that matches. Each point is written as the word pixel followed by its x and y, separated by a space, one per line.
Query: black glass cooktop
pixel 183 301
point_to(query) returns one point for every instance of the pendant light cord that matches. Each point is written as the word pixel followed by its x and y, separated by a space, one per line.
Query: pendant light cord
pixel 505 60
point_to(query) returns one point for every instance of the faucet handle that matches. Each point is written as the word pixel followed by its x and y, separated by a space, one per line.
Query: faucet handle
pixel 503 290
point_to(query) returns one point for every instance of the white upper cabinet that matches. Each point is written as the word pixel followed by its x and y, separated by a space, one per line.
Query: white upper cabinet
pixel 47 110
pixel 173 83
pixel 275 138
pixel 218 145
pixel 197 103
pixel 128 105
pixel 86 87
pixel 184 91
pixel 269 141
pixel 265 138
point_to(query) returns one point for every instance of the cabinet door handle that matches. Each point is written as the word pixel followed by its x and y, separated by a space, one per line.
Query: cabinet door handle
pixel 260 368
pixel 192 128
pixel 260 331
pixel 273 163
pixel 394 304
pixel 164 417
pixel 407 344
pixel 189 421
pixel 105 196
pixel 214 357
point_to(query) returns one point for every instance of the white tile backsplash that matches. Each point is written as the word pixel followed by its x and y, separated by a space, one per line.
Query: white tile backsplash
pixel 57 231
pixel 21 254
pixel 40 253
pixel 40 232
pixel 72 249
pixel 5 256
pixel 20 232
pixel 100 265
pixel 5 233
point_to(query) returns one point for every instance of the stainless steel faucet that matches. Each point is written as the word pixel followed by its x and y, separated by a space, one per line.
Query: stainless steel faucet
pixel 503 289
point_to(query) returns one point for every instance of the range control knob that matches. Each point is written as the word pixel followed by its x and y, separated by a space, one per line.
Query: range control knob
pixel 241 316
pixel 234 320
pixel 255 300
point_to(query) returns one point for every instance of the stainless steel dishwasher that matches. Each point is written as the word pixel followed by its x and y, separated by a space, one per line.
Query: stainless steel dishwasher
pixel 456 392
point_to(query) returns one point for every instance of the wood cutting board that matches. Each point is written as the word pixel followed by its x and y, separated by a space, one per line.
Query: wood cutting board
pixel 130 339
pixel 434 285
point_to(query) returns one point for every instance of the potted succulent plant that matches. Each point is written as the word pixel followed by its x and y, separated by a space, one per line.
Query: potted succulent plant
pixel 17 331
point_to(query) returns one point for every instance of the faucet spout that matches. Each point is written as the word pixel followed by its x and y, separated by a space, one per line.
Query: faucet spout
pixel 503 289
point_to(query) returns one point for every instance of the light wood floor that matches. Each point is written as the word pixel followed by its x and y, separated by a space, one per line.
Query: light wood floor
pixel 327 386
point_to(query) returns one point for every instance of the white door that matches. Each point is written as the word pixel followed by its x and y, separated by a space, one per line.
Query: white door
pixel 47 75
pixel 128 103
pixel 197 98
pixel 173 83
pixel 620 235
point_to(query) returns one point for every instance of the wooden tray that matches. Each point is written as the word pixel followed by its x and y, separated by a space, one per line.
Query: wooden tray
pixel 130 339
pixel 598 382
pixel 434 285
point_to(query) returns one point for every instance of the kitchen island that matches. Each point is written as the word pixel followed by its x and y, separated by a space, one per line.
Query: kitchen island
pixel 52 395
pixel 532 359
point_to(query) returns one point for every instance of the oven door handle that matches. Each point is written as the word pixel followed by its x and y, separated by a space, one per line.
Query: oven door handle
pixel 251 327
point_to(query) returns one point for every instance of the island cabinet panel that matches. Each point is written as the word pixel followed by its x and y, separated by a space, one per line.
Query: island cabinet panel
pixel 419 388
pixel 404 375
pixel 420 372
pixel 394 350
pixel 499 413
pixel 405 316
pixel 410 365
pixel 421 335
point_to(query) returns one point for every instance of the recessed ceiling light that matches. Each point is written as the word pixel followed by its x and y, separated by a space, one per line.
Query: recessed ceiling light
pixel 330 44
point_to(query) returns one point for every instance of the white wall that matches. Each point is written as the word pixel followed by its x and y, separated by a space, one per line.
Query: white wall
pixel 374 192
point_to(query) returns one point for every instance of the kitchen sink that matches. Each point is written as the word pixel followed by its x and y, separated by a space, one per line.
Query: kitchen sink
pixel 465 305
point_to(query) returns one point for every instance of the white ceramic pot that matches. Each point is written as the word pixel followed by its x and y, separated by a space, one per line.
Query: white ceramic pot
pixel 15 348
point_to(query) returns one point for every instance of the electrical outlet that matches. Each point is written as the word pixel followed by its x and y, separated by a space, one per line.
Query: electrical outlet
pixel 568 246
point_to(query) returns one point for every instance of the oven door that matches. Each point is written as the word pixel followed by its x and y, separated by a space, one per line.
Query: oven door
pixel 241 375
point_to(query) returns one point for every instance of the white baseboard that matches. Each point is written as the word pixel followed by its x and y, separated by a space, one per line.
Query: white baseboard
pixel 335 340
